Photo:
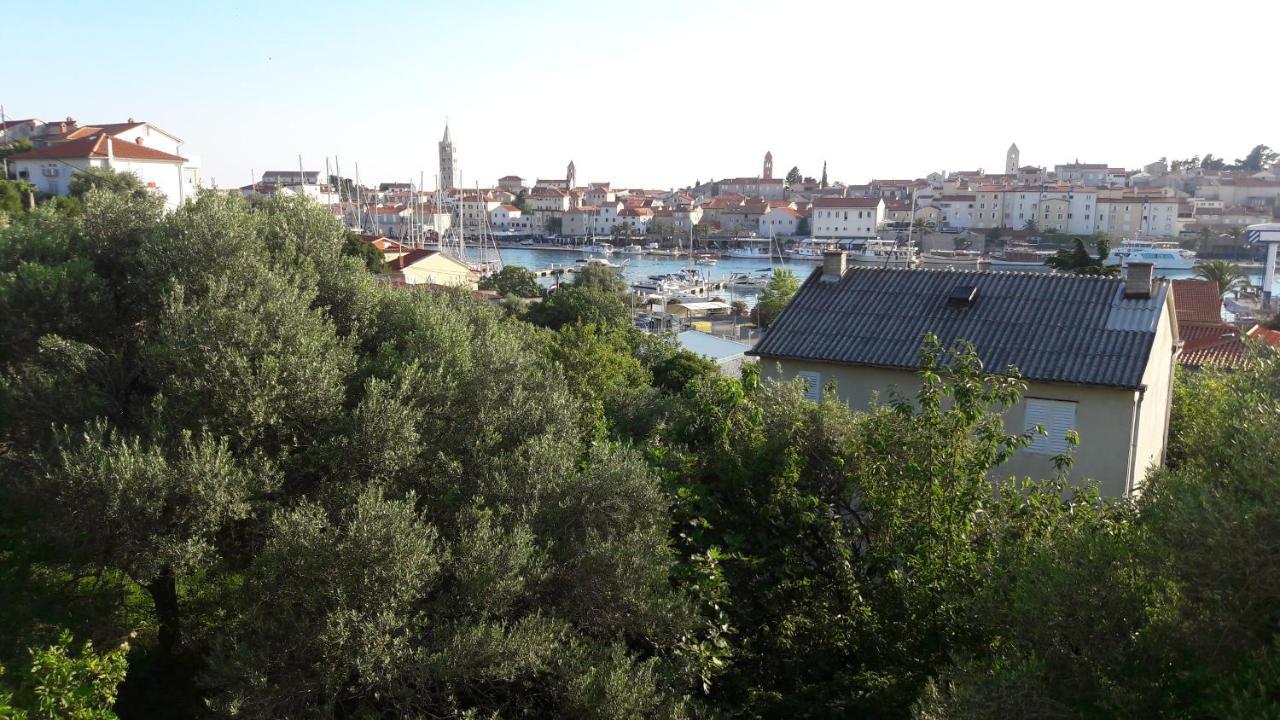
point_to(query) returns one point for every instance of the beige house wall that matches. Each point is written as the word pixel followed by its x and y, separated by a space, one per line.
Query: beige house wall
pixel 1104 416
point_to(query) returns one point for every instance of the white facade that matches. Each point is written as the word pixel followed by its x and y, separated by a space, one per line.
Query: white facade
pixel 839 218
pixel 779 221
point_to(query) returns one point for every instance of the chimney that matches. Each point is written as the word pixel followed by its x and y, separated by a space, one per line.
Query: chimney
pixel 834 263
pixel 111 151
pixel 1137 279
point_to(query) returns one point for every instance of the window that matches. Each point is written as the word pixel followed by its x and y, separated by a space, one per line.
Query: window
pixel 1057 417
pixel 814 382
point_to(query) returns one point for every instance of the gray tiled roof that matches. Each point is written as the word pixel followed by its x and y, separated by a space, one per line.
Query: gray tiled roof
pixel 1053 328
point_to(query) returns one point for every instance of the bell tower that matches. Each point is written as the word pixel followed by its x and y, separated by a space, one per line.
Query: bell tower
pixel 768 166
pixel 448 174
pixel 570 175
pixel 1011 160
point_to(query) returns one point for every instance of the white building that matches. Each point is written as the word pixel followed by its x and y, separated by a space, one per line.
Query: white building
pixel 51 168
pixel 508 218
pixel 841 217
pixel 780 221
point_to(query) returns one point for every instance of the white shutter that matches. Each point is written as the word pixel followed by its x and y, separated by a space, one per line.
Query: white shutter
pixel 814 381
pixel 1057 417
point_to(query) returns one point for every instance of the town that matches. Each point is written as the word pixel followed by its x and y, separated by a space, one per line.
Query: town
pixel 329 446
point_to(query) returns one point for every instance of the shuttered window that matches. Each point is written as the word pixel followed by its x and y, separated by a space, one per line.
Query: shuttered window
pixel 1057 417
pixel 814 381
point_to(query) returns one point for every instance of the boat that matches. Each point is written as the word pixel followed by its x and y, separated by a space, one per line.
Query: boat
pixel 1022 257
pixel 749 251
pixel 706 260
pixel 1162 254
pixel 955 259
pixel 810 251
pixel 883 253
pixel 651 246
pixel 602 262
pixel 526 243
pixel 600 248
pixel 632 250
pixel 746 281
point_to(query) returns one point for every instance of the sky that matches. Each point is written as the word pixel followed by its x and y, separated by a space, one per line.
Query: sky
pixel 658 94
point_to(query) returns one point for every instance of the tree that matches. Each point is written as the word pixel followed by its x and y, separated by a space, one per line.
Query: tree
pixel 554 224
pixel 1209 162
pixel 64 684
pixel 514 280
pixel 1259 158
pixel 106 179
pixel 572 304
pixel 794 177
pixel 599 277
pixel 13 196
pixel 823 182
pixel 1077 259
pixel 802 227
pixel 1227 275
pixel 1030 227
pixel 356 247
pixel 775 296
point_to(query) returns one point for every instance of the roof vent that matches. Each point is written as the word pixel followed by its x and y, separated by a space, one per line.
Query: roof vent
pixel 962 295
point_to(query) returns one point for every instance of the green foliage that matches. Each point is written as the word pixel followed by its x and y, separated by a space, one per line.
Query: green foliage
pixel 775 296
pixel 62 684
pixel 106 180
pixel 514 280
pixel 599 277
pixel 12 197
pixel 1077 259
pixel 677 372
pixel 571 304
pixel 794 177
pixel 1259 158
pixel 1226 274
pixel 356 247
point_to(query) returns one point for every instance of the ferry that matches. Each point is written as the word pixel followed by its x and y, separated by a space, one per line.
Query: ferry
pixel 1163 254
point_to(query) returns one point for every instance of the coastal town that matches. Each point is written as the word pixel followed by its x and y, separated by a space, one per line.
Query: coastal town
pixel 661 361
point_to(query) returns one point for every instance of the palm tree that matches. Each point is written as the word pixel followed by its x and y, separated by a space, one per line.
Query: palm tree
pixel 1228 275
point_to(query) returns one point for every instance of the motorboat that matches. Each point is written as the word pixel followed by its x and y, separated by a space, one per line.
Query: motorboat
pixel 752 252
pixel 809 251
pixel 600 248
pixel 1022 257
pixel 883 253
pixel 1162 254
pixel 706 260
pixel 632 250
pixel 746 281
pixel 601 262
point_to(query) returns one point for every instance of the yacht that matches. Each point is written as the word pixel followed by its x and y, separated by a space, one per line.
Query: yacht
pixel 883 253
pixel 632 250
pixel 1163 254
pixel 599 248
pixel 706 260
pixel 602 262
pixel 747 281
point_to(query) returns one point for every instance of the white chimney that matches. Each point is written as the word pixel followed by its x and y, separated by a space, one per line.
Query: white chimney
pixel 111 152
pixel 1137 279
pixel 834 263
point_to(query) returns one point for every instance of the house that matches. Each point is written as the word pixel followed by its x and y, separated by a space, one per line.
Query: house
pixel 15 130
pixel 1207 339
pixel 728 355
pixel 55 161
pixel 508 218
pixel 511 183
pixel 429 267
pixel 1097 353
pixel 844 217
pixel 784 220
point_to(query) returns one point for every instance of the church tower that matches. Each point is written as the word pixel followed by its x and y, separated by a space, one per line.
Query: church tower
pixel 768 166
pixel 571 175
pixel 1011 160
pixel 448 174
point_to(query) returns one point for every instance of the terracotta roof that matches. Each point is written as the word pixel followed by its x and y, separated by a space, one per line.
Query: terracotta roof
pixel 96 147
pixel 842 202
pixel 1267 336
pixel 1197 301
pixel 1213 347
pixel 510 208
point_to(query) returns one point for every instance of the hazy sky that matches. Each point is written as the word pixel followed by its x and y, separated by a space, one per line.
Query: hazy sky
pixel 658 94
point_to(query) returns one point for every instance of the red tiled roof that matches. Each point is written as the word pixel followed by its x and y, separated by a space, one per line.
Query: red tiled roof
pixel 1197 301
pixel 1267 336
pixel 1220 347
pixel 96 147
pixel 510 208
pixel 841 202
